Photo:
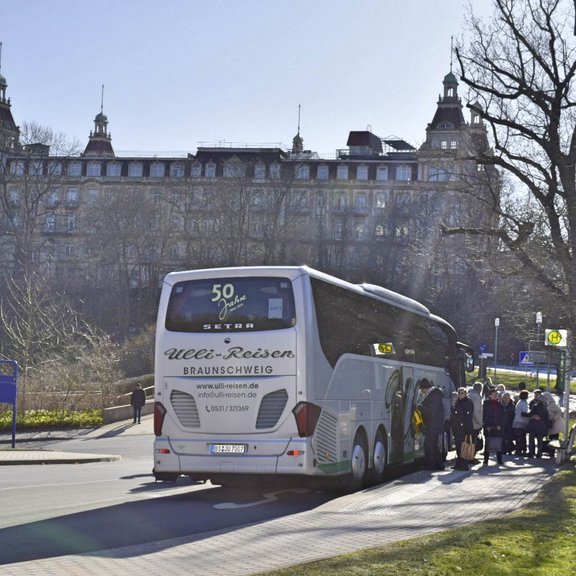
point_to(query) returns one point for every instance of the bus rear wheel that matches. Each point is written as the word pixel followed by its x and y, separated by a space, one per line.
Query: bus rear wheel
pixel 379 466
pixel 357 476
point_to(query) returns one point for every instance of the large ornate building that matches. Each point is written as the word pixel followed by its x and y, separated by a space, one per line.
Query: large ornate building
pixel 106 227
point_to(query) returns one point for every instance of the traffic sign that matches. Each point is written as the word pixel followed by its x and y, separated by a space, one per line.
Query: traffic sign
pixel 556 338
pixel 525 359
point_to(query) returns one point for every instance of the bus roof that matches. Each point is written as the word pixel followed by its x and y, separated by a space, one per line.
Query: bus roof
pixel 293 272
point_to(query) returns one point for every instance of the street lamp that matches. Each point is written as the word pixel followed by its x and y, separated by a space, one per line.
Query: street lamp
pixel 496 326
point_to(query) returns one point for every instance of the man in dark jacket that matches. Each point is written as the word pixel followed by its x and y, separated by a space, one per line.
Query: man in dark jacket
pixel 537 425
pixel 137 400
pixel 432 409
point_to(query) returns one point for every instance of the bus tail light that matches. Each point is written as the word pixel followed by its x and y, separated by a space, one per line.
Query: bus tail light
pixel 306 415
pixel 159 413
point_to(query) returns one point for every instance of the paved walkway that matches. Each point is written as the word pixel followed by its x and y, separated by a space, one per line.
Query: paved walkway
pixel 420 503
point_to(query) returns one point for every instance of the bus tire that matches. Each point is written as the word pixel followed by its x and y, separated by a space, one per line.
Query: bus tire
pixel 357 477
pixel 379 459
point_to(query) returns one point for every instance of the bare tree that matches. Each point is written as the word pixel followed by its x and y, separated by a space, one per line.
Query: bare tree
pixel 29 175
pixel 520 68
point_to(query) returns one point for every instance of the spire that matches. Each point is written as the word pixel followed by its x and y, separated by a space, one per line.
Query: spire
pixel 9 132
pixel 298 141
pixel 100 141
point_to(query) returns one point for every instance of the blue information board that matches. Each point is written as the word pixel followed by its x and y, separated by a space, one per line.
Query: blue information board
pixel 8 389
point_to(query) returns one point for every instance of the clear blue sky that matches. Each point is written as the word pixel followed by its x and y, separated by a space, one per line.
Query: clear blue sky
pixel 178 73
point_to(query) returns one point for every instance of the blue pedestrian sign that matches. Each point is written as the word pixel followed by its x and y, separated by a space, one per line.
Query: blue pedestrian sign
pixel 524 359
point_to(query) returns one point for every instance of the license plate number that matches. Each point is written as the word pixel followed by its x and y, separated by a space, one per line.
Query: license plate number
pixel 227 448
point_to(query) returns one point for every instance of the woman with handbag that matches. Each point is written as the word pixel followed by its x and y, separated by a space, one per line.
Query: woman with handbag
pixel 461 422
pixel 493 416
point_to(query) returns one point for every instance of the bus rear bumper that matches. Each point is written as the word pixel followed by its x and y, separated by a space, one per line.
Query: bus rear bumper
pixel 194 458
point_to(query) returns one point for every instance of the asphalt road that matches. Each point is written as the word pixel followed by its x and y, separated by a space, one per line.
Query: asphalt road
pixel 49 511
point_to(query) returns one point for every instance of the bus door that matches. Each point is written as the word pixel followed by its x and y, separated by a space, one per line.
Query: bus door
pixel 398 394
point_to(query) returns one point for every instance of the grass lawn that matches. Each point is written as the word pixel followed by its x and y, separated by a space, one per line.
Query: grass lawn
pixel 539 540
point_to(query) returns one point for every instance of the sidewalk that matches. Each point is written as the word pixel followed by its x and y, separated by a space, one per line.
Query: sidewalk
pixel 412 506
pixel 27 443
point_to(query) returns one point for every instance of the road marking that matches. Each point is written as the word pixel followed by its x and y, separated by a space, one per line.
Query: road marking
pixel 267 498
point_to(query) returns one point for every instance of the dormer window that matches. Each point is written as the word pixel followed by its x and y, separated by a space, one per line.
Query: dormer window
pixel 404 173
pixel 342 172
pixel 210 171
pixel 302 172
pixel 93 169
pixel 234 169
pixel 260 171
pixel 157 170
pixel 135 170
pixel 362 173
pixel 114 170
pixel 196 170
pixel 177 170
pixel 382 173
pixel 75 169
pixel 322 172
pixel 275 171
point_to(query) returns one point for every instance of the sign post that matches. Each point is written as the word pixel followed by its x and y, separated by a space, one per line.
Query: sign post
pixel 8 381
pixel 559 339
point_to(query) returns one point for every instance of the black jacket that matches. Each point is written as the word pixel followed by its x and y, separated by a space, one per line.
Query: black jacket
pixel 432 408
pixel 462 415
pixel 493 415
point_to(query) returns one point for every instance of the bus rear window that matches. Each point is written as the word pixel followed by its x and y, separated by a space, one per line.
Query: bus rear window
pixel 231 305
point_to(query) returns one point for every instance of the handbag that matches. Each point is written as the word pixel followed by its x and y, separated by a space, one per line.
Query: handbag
pixel 468 449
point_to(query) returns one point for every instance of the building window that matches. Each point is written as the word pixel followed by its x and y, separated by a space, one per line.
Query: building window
pixel 380 200
pixel 361 202
pixel 260 171
pixel 13 197
pixel 275 171
pixel 302 172
pixel 177 170
pixel 362 173
pixel 114 170
pixel 17 168
pixel 55 169
pixel 93 194
pixel 382 173
pixel 404 173
pixel 36 168
pixel 72 196
pixel 438 174
pixel 75 169
pixel 156 196
pixel 135 170
pixel 342 172
pixel 379 230
pixel 322 172
pixel 341 201
pixel 157 170
pixel 70 222
pixel 210 170
pixel 359 231
pixel 93 169
pixel 50 224
pixel 338 231
pixel 53 198
pixel 234 169
pixel 196 170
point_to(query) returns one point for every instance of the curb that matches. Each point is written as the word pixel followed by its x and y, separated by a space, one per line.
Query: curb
pixel 29 457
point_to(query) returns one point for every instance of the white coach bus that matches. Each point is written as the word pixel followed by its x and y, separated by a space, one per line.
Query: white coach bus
pixel 286 371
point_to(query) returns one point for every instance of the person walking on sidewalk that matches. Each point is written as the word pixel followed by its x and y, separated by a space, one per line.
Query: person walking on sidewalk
pixel 493 415
pixel 137 401
pixel 432 409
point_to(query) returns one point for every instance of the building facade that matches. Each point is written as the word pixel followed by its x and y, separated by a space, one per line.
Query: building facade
pixel 106 227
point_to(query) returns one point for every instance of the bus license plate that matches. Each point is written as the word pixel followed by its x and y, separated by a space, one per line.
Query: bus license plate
pixel 227 448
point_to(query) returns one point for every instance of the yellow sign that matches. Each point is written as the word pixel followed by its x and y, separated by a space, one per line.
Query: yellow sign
pixel 384 348
pixel 556 338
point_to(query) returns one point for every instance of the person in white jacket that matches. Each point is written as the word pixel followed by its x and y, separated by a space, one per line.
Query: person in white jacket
pixel 555 416
pixel 477 419
pixel 520 423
